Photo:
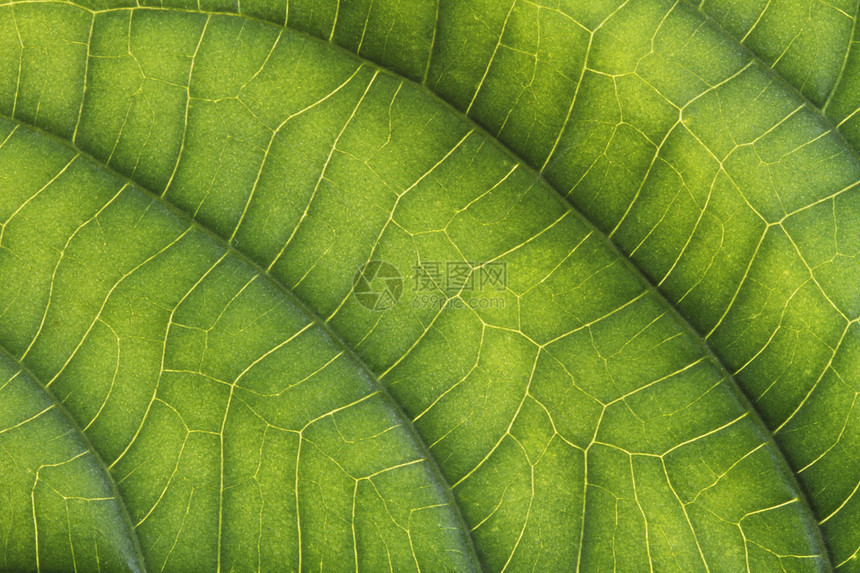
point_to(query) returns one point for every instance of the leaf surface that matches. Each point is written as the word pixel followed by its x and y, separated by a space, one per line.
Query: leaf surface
pixel 189 196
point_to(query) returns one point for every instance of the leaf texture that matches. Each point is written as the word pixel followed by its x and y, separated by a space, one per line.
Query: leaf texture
pixel 187 196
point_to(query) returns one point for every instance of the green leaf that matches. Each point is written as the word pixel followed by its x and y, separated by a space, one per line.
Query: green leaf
pixel 472 285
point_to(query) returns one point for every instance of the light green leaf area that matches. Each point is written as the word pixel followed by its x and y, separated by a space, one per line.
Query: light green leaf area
pixel 191 198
